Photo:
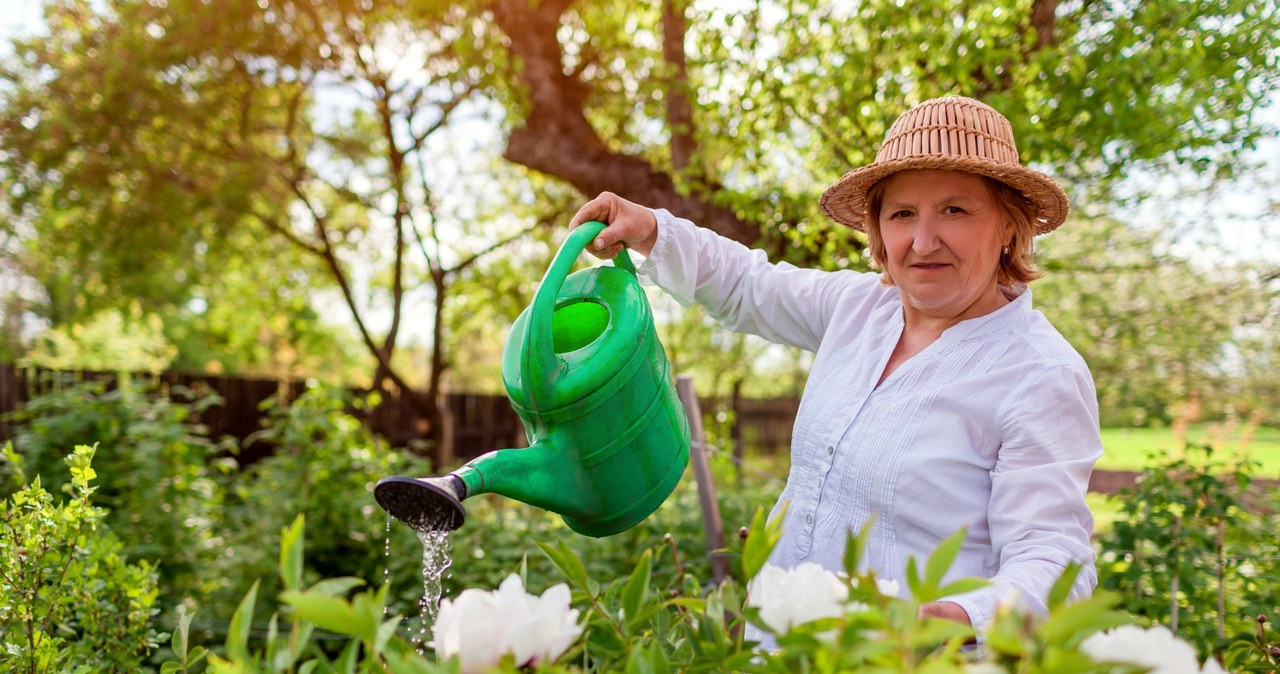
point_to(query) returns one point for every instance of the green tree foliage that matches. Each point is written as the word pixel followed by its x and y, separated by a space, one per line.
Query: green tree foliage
pixel 108 341
pixel 1156 328
pixel 192 129
pixel 742 113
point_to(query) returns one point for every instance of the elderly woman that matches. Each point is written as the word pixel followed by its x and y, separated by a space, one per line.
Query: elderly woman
pixel 938 398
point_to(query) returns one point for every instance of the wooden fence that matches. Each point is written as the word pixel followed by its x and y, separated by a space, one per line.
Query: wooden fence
pixel 479 422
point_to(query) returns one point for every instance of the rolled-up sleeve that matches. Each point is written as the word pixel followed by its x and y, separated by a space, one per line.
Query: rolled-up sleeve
pixel 1039 520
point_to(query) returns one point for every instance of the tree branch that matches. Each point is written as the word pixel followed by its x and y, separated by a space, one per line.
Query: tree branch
pixel 462 266
pixel 335 267
pixel 557 139
pixel 679 110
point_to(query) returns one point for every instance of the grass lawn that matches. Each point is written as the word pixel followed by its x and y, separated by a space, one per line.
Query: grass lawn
pixel 1127 448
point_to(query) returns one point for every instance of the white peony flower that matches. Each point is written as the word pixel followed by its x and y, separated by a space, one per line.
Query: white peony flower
pixel 790 597
pixel 888 588
pixel 480 626
pixel 1154 647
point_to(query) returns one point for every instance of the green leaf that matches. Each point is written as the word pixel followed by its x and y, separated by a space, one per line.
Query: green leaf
pixel 180 635
pixel 637 588
pixel 694 604
pixel 410 663
pixel 299 637
pixel 385 631
pixel 1003 634
pixel 648 660
pixel 1062 587
pixel 568 563
pixel 291 549
pixel 1073 623
pixel 761 539
pixel 238 633
pixel 914 581
pixel 347 661
pixel 962 586
pixel 942 558
pixel 855 546
pixel 336 587
pixel 930 633
pixel 331 613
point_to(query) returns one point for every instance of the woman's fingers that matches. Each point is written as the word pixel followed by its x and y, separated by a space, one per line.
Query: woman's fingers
pixel 626 223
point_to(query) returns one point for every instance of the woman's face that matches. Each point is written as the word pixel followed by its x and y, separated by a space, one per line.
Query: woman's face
pixel 942 235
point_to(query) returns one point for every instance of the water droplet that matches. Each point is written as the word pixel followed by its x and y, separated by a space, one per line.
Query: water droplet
pixel 386 560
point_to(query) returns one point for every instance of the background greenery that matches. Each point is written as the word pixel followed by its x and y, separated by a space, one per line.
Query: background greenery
pixel 366 193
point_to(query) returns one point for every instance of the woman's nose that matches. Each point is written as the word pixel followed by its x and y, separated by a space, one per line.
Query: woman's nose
pixel 926 237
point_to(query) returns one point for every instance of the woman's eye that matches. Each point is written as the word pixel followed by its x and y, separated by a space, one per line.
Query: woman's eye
pixel 953 210
pixel 900 214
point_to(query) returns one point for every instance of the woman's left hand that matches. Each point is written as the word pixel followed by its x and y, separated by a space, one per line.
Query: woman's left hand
pixel 947 610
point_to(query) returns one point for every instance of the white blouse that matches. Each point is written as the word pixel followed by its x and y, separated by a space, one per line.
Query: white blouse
pixel 993 427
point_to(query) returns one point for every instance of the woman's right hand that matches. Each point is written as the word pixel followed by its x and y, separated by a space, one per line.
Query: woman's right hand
pixel 627 222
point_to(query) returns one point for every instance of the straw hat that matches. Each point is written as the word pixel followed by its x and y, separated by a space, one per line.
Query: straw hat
pixel 952 133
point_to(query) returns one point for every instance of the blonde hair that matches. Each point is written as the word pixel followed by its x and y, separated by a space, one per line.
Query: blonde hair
pixel 1016 267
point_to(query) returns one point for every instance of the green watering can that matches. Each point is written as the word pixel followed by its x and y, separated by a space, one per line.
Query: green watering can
pixel 608 437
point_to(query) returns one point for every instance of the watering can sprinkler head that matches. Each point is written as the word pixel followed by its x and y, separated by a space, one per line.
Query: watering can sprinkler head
pixel 432 503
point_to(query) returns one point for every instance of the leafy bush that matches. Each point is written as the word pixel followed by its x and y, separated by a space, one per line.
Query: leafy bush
pixel 161 473
pixel 68 601
pixel 1188 550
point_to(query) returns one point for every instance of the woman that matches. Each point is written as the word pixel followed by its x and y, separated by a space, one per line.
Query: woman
pixel 938 398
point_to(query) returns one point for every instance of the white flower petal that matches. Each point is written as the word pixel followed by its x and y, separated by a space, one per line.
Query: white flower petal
pixel 1155 647
pixel 787 598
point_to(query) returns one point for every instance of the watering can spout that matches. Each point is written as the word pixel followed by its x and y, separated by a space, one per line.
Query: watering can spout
pixel 535 475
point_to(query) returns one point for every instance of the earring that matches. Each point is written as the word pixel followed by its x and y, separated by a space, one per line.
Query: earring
pixel 1005 251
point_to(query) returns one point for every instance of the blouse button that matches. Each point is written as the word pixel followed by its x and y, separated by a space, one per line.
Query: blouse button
pixel 830 450
pixel 808 518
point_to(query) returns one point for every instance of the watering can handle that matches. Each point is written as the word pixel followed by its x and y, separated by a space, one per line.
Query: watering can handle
pixel 540 367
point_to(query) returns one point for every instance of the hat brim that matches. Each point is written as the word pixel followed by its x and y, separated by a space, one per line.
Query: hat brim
pixel 845 201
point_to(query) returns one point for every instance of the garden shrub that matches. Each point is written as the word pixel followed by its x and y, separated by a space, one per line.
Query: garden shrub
pixel 1190 551
pixel 68 600
pixel 161 474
